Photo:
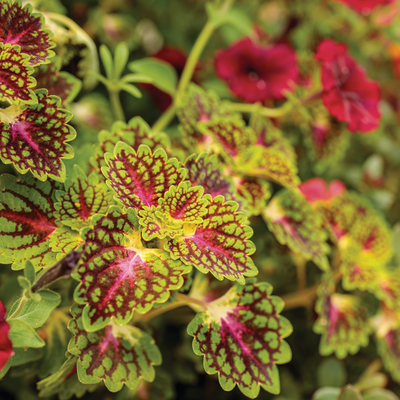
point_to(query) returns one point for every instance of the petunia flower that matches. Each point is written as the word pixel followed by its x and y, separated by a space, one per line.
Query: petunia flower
pixel 347 94
pixel 6 348
pixel 255 72
pixel 316 190
pixel 364 6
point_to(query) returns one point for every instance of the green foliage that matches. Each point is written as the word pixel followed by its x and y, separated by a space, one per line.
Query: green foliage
pixel 145 228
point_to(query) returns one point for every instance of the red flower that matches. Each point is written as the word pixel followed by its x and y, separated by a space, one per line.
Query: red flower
pixel 255 72
pixel 364 6
pixel 348 93
pixel 6 349
pixel 316 190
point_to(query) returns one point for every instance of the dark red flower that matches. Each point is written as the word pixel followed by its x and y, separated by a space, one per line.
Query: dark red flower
pixel 6 349
pixel 364 6
pixel 348 94
pixel 255 72
pixel 317 190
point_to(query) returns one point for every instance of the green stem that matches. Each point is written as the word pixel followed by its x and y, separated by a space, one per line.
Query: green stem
pixel 116 105
pixel 164 119
pixel 192 61
pixel 264 111
pixel 191 300
pixel 158 311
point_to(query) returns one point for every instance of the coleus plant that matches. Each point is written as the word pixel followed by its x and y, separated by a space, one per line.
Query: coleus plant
pixel 110 226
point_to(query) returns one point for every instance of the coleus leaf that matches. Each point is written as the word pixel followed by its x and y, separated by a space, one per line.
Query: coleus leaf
pixel 269 163
pixel 269 136
pixel 135 133
pixel 220 245
pixel 64 240
pixel 294 223
pixel 33 137
pixel 139 178
pixel 231 135
pixel 241 337
pixel 180 210
pixel 255 192
pixel 363 238
pixel 18 25
pixel 117 355
pixel 84 196
pixel 327 141
pixel 64 382
pixel 203 170
pixel 26 221
pixel 342 322
pixel 58 83
pixel 118 274
pixel 15 75
pixel 197 106
pixel 389 350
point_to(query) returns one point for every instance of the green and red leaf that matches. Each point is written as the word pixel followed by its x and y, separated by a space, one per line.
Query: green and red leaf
pixel 140 178
pixel 33 137
pixel 116 355
pixel 119 275
pixel 241 337
pixel 203 171
pixel 18 25
pixel 389 350
pixel 58 83
pixel 135 133
pixel 26 221
pixel 342 322
pixel 181 208
pixel 220 245
pixel 16 82
pixel 255 193
pixel 294 223
pixel 64 240
pixel 231 135
pixel 84 197
pixel 269 163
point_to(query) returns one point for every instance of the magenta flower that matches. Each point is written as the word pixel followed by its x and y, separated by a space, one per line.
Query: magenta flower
pixel 364 6
pixel 317 190
pixel 255 72
pixel 348 94
pixel 6 348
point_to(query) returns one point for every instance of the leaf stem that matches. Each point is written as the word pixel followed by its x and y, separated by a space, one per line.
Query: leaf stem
pixel 191 300
pixel 161 310
pixel 305 298
pixel 264 111
pixel 191 62
pixel 116 105
pixel 164 119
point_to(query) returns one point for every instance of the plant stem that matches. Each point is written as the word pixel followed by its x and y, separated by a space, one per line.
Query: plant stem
pixel 305 297
pixel 164 119
pixel 264 111
pixel 191 300
pixel 116 105
pixel 192 61
pixel 162 310
pixel 300 263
